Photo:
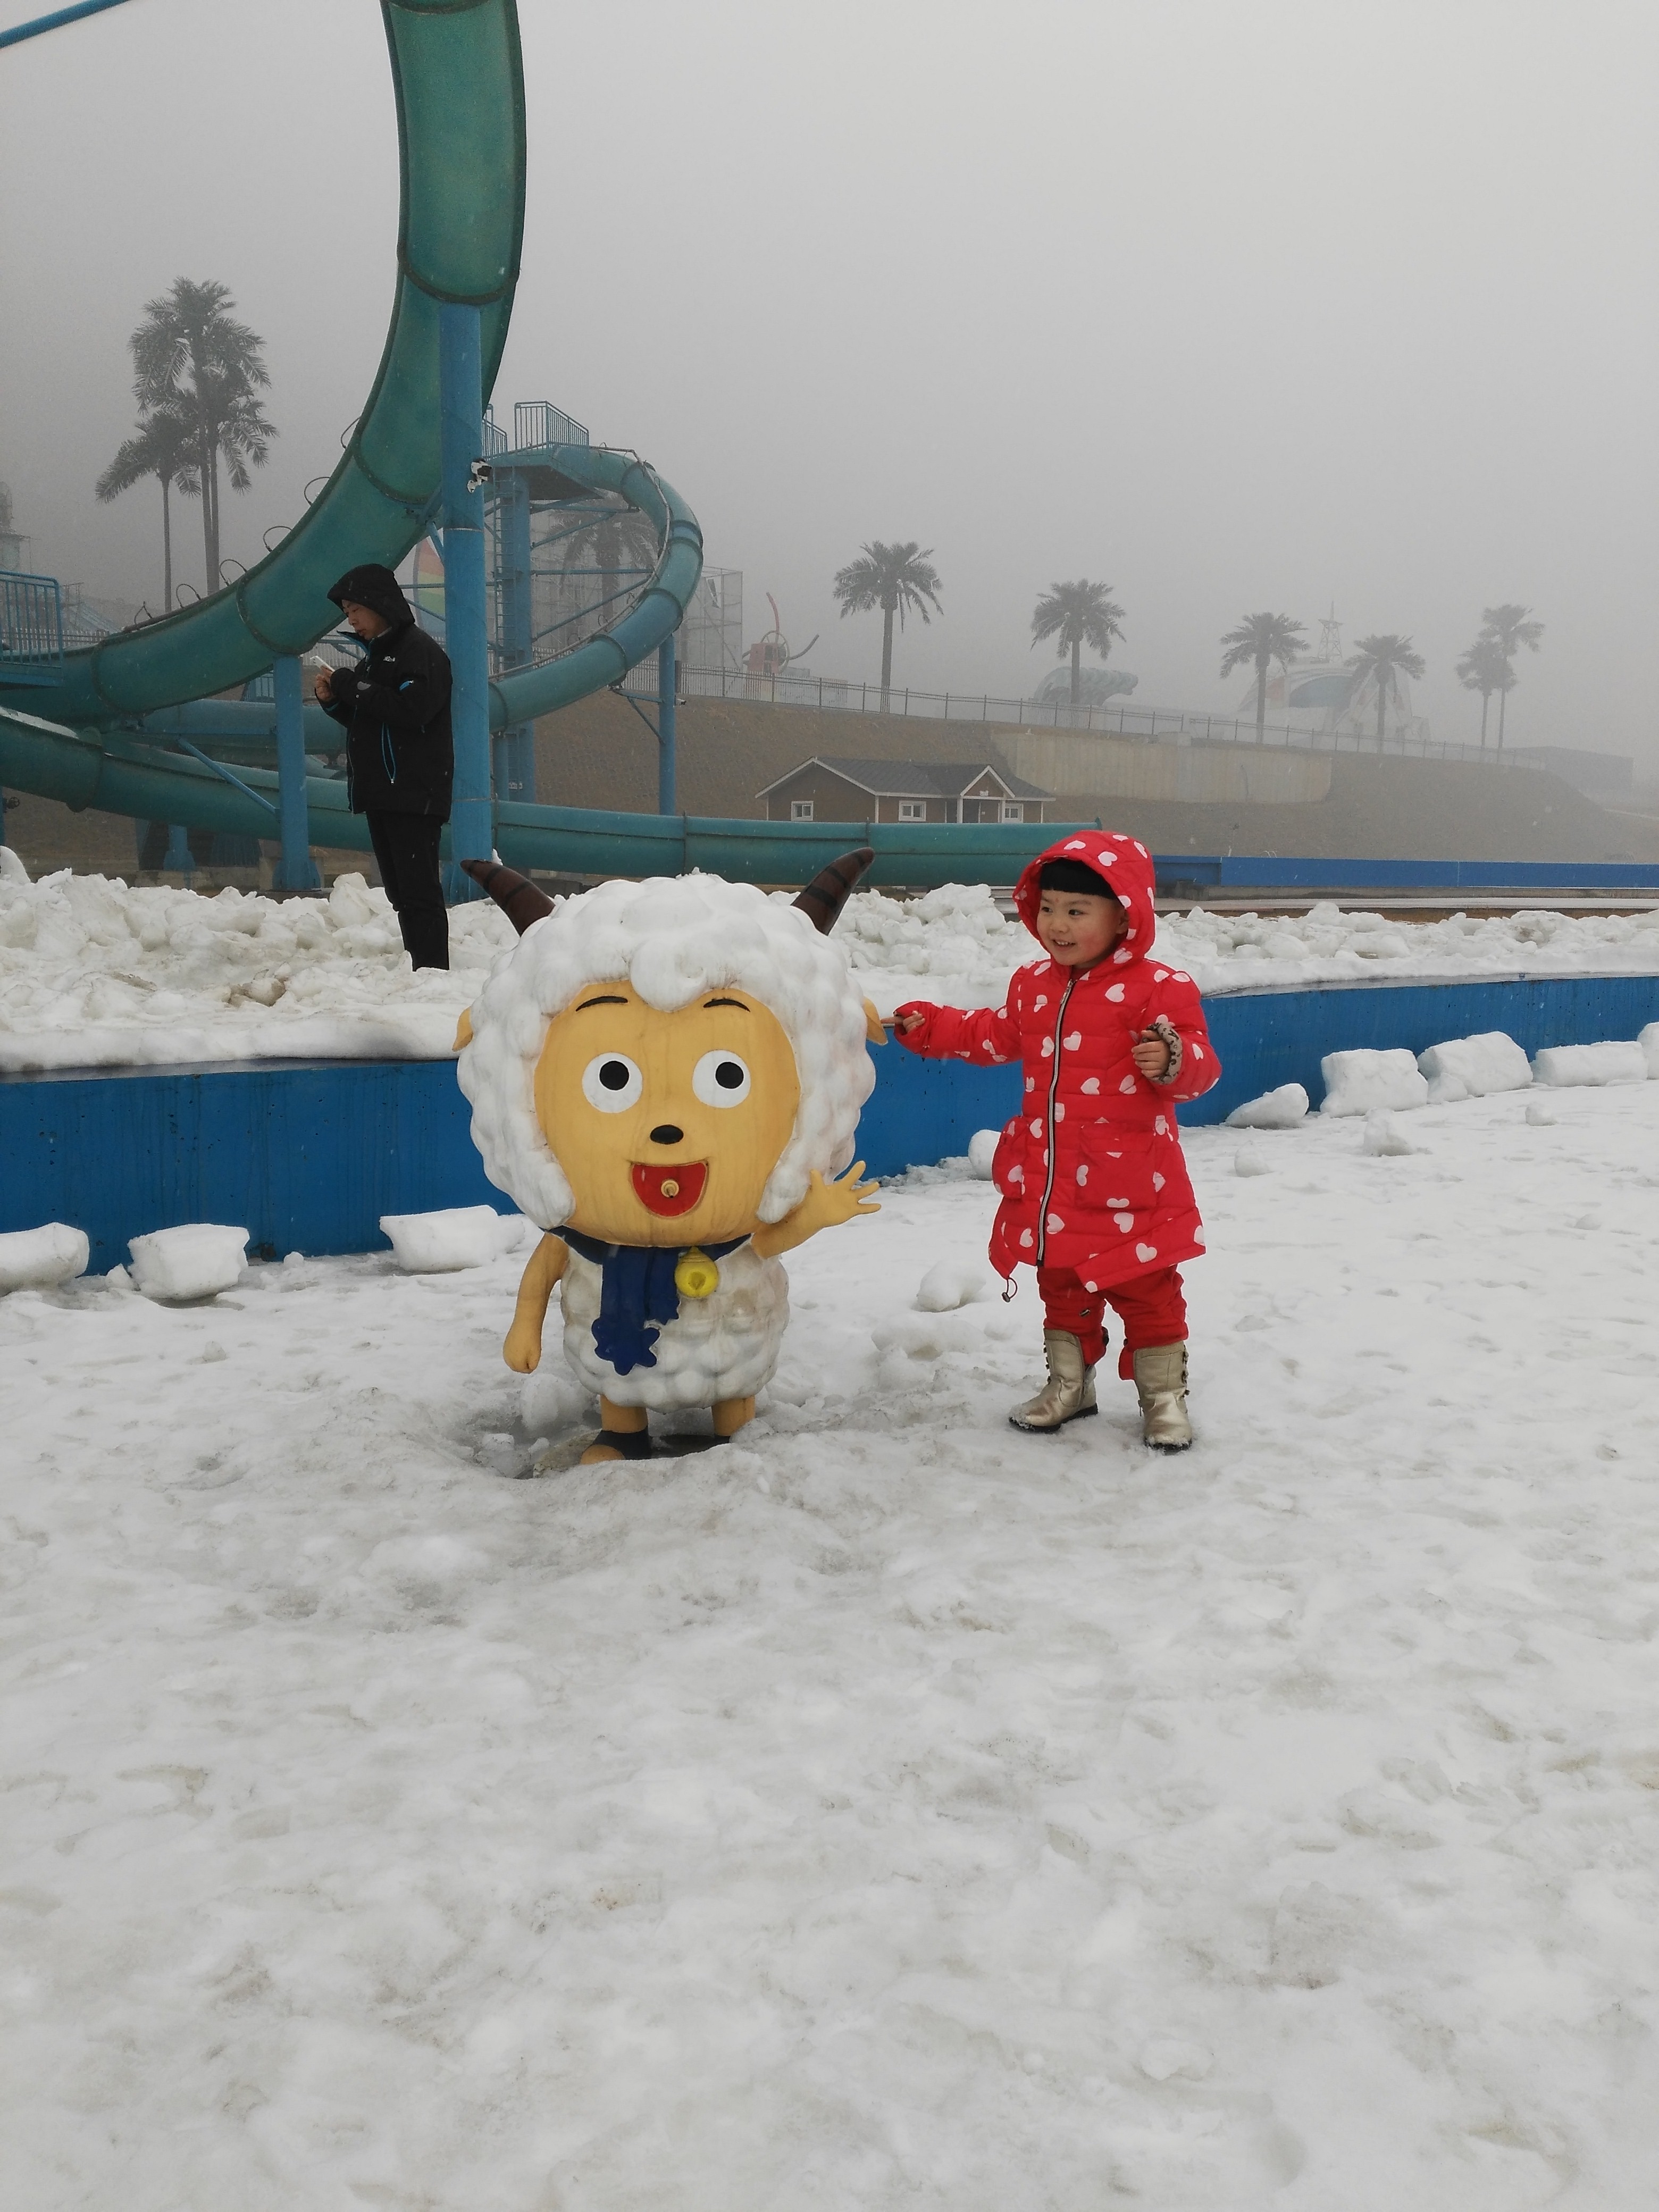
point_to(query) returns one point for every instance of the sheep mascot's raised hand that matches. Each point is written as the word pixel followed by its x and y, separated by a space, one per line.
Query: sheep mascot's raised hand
pixel 666 1076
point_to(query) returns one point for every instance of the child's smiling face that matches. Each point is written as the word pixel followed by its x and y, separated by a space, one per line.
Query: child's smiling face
pixel 1077 930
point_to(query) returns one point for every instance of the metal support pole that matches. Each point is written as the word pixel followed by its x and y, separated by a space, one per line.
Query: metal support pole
pixel 472 827
pixel 515 750
pixel 666 800
pixel 296 871
pixel 179 859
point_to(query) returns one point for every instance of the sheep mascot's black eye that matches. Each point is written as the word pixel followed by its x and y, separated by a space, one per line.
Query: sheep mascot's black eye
pixel 612 1083
pixel 720 1079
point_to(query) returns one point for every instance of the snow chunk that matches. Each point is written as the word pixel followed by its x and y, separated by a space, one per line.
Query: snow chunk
pixel 1365 1082
pixel 174 1266
pixel 1384 1139
pixel 1275 1109
pixel 982 1148
pixel 452 1236
pixel 1539 1115
pixel 949 1284
pixel 1649 1040
pixel 36 1259
pixel 1566 1067
pixel 1473 1067
pixel 1251 1160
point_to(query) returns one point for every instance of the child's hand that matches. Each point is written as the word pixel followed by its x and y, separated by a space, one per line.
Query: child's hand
pixel 905 1023
pixel 1150 1056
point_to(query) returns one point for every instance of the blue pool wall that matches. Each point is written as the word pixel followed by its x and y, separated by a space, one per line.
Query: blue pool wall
pixel 309 1156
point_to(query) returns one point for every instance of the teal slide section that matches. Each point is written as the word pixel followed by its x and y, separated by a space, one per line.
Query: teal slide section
pixel 459 80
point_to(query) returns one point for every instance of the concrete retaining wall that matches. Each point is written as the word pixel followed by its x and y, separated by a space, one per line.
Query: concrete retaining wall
pixel 308 1157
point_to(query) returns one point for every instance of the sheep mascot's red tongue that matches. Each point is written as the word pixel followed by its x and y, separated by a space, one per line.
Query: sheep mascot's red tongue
pixel 821 900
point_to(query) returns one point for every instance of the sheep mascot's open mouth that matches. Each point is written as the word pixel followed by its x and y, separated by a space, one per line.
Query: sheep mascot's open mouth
pixel 666 1076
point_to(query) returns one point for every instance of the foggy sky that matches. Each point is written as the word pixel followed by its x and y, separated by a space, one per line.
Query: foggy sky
pixel 1231 303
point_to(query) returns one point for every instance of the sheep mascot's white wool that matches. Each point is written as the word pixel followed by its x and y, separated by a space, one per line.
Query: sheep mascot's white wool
pixel 675 939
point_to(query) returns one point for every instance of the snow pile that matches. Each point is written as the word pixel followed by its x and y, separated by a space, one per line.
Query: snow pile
pixel 1275 1109
pixel 982 1151
pixel 947 1285
pixel 452 1236
pixel 956 947
pixel 176 1266
pixel 1384 1139
pixel 95 974
pixel 1473 1067
pixel 1649 1040
pixel 1565 1067
pixel 1366 1082
pixel 38 1259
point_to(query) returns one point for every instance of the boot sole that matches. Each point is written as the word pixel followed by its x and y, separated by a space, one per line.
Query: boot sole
pixel 1053 1428
pixel 1167 1449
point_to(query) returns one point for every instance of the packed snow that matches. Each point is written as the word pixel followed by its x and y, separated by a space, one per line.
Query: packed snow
pixel 93 973
pixel 888 1810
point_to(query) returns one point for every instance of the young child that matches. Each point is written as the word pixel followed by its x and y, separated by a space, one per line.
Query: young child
pixel 1095 1190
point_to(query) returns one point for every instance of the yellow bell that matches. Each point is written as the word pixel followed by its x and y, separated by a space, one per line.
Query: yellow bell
pixel 696 1275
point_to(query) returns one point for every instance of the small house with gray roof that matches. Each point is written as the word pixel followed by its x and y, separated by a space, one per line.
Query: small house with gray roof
pixel 831 787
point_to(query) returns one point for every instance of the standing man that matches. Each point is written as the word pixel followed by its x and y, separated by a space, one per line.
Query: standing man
pixel 400 757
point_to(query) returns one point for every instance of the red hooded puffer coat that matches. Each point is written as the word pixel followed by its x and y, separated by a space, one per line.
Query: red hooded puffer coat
pixel 1091 1173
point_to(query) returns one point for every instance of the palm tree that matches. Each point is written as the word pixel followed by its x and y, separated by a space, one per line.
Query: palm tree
pixel 1385 657
pixel 1262 638
pixel 190 353
pixel 1077 615
pixel 1486 668
pixel 1510 627
pixel 164 447
pixel 899 578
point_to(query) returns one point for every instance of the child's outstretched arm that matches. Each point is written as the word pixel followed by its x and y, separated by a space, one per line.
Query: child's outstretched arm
pixel 988 1037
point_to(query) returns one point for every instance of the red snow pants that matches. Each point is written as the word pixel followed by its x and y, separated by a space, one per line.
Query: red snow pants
pixel 1151 1308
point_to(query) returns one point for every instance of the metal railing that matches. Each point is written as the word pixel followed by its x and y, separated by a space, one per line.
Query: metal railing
pixel 31 624
pixel 1145 725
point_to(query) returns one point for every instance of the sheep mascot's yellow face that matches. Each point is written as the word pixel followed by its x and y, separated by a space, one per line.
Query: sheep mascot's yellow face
pixel 667 1124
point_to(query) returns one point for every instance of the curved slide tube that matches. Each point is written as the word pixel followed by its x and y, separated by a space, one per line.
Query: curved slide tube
pixel 459 84
pixel 125 776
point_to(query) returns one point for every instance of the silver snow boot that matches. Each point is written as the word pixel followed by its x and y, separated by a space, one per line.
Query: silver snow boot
pixel 1069 1393
pixel 1161 1382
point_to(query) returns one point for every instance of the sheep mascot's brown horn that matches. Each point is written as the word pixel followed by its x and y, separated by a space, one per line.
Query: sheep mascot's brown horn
pixel 825 896
pixel 517 897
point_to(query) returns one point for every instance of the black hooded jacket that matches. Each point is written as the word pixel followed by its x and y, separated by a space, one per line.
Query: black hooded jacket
pixel 400 755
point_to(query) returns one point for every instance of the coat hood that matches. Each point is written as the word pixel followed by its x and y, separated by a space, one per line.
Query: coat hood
pixel 376 588
pixel 1127 874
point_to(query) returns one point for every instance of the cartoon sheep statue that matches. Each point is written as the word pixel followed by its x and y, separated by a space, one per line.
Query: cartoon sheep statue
pixel 666 1077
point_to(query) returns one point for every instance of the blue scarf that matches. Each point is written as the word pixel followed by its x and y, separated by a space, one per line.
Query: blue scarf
pixel 637 1288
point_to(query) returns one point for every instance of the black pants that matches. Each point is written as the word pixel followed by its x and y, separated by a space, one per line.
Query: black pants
pixel 406 847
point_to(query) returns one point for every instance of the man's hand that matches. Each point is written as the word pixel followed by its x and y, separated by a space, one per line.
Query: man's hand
pixel 1151 1055
pixel 323 688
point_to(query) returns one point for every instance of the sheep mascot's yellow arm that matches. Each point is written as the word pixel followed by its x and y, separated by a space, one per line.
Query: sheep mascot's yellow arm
pixel 523 1348
pixel 825 1206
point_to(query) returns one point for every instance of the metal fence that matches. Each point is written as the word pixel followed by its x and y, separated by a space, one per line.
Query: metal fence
pixel 31 624
pixel 1146 725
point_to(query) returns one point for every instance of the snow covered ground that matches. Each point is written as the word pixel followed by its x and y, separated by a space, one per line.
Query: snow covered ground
pixel 888 1810
pixel 95 974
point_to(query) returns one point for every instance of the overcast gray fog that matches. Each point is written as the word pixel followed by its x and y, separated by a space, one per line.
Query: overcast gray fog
pixel 1256 304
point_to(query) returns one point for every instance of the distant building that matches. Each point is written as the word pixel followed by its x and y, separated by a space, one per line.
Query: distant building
pixel 1598 775
pixel 1095 686
pixel 835 789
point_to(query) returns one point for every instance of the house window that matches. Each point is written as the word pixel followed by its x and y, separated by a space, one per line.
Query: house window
pixel 1013 811
pixel 800 809
pixel 913 810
